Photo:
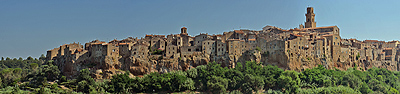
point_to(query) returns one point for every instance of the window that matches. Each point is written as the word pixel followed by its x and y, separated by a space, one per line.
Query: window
pixel 189 50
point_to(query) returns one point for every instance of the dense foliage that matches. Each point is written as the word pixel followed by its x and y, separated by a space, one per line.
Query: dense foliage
pixel 40 76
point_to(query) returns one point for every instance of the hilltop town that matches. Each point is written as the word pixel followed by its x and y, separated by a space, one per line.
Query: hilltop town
pixel 295 49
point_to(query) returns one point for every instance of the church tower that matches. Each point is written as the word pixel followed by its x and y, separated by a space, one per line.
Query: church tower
pixel 184 30
pixel 310 18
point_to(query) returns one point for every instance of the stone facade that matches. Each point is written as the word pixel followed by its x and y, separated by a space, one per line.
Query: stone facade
pixel 294 49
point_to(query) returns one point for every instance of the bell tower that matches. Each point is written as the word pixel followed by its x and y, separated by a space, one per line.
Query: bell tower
pixel 310 18
pixel 184 30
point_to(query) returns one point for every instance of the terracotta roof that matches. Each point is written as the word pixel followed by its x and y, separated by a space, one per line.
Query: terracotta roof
pixel 148 35
pixel 394 41
pixel 233 39
pixel 296 35
pixel 239 31
pixel 79 50
pixel 370 41
pixel 252 39
pixel 352 39
pixel 123 43
pixel 98 43
pixel 183 27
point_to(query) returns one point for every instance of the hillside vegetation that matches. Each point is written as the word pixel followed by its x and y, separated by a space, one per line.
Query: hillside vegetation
pixel 39 76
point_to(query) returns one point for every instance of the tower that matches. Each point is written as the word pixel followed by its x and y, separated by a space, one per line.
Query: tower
pixel 310 18
pixel 183 30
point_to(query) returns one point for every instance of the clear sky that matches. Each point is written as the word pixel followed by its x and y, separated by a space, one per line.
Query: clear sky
pixel 31 27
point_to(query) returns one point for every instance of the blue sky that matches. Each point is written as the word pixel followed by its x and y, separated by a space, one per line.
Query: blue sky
pixel 31 27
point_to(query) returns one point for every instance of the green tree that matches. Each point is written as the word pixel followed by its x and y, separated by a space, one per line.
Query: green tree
pixel 271 74
pixel 329 90
pixel 8 77
pixel 42 57
pixel 51 72
pixel 192 73
pixel 289 81
pixel 236 79
pixel 120 83
pixel 253 68
pixel 33 66
pixel 217 84
pixel 85 81
pixel 349 79
pixel 252 84
pixel 365 89
pixel 29 58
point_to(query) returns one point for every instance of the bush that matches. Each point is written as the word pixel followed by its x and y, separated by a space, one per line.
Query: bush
pixel 217 84
pixel 329 90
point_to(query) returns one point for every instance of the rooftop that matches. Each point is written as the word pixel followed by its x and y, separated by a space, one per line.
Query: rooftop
pixel 239 31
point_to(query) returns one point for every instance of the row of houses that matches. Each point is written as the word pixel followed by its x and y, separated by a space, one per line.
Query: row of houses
pixel 290 49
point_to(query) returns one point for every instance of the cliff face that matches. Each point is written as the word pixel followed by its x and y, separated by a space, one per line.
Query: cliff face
pixel 105 67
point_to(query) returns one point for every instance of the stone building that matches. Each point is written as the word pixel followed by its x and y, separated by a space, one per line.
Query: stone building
pixel 125 48
pixel 208 47
pixel 296 49
pixel 140 50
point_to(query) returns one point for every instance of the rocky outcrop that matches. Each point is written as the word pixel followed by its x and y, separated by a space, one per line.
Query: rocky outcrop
pixel 107 66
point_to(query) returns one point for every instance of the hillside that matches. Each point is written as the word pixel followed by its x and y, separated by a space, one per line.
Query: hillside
pixel 251 77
